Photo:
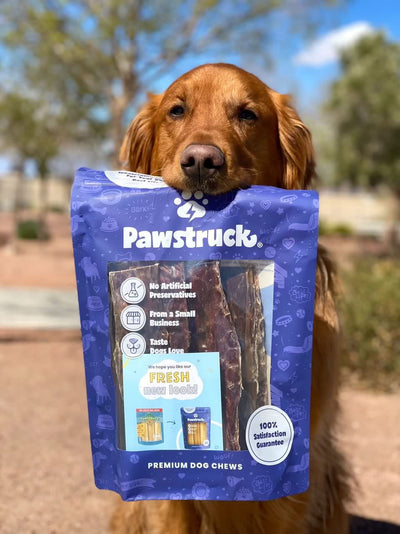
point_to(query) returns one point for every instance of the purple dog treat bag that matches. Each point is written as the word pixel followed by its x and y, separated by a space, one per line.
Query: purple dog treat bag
pixel 197 322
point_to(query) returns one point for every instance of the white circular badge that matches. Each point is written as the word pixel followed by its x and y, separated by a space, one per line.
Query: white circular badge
pixel 269 435
pixel 132 290
pixel 133 318
pixel 133 345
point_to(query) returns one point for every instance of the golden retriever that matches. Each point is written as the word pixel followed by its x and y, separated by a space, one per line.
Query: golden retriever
pixel 218 128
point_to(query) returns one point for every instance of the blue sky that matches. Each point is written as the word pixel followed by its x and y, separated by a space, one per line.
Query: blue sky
pixel 305 69
pixel 373 14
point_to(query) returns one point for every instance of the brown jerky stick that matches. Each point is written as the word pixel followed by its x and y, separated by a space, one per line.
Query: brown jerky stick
pixel 178 336
pixel 263 396
pixel 147 274
pixel 241 299
pixel 213 331
pixel 240 293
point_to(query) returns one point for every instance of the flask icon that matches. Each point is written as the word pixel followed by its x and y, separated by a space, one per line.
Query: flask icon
pixel 133 292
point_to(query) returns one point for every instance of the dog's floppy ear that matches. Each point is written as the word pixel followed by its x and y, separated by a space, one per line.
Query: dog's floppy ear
pixel 296 145
pixel 135 153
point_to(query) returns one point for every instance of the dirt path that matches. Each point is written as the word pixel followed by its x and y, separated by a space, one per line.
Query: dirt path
pixel 46 473
pixel 48 264
pixel 46 479
pixel 371 440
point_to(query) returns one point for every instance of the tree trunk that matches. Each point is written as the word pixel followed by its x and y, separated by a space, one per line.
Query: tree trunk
pixel 43 200
pixel 392 237
pixel 17 203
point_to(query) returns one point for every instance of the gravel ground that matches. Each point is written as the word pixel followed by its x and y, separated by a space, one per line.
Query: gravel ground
pixel 46 473
pixel 371 440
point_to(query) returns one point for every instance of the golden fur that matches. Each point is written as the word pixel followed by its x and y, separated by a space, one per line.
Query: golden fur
pixel 275 149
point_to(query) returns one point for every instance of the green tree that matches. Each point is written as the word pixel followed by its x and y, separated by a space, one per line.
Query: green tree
pixel 34 129
pixel 105 54
pixel 364 103
pixel 28 131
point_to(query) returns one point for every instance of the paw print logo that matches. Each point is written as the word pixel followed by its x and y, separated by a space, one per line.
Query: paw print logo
pixel 191 209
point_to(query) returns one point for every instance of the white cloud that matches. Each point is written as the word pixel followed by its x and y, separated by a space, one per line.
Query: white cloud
pixel 327 48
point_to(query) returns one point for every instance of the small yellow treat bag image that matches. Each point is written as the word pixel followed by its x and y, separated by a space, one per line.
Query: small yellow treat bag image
pixel 196 427
pixel 149 425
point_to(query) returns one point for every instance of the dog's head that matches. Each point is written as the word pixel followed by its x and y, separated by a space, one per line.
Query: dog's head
pixel 217 128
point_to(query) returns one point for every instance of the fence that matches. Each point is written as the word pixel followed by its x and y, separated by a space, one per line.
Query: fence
pixel 58 192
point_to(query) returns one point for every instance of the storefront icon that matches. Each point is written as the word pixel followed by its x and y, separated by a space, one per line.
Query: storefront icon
pixel 133 318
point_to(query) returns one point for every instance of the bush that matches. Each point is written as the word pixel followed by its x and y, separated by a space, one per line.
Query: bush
pixel 341 229
pixel 323 228
pixel 57 208
pixel 370 313
pixel 32 229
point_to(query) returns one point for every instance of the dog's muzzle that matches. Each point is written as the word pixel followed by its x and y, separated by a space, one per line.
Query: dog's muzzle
pixel 201 162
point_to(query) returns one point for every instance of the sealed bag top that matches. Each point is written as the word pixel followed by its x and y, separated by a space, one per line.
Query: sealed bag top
pixel 197 319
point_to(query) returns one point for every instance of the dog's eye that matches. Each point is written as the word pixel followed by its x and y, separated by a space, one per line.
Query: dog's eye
pixel 247 115
pixel 177 111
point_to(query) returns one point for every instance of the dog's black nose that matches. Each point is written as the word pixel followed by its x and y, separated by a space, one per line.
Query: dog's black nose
pixel 201 161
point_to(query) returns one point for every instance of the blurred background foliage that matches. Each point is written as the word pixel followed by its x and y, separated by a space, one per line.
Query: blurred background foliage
pixel 73 73
pixel 364 103
pixel 95 60
pixel 370 316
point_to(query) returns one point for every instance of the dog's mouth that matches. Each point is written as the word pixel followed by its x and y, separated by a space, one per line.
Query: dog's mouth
pixel 215 185
pixel 212 185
